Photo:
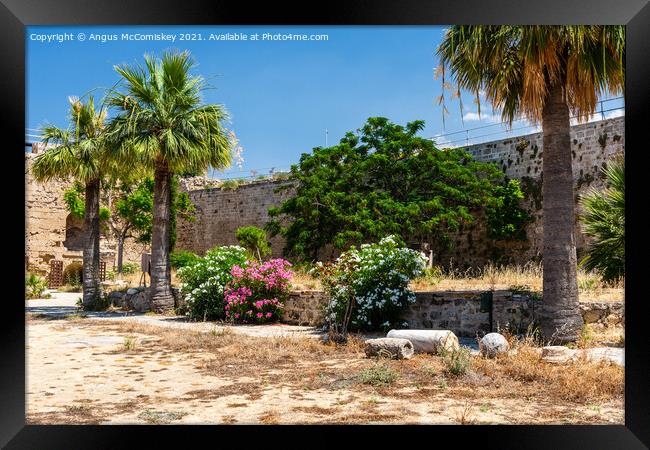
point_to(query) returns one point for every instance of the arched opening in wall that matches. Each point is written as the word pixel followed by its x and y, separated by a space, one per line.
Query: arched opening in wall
pixel 74 233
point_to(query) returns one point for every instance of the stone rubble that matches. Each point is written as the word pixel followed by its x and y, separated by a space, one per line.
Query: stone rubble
pixel 389 347
pixel 428 341
pixel 493 344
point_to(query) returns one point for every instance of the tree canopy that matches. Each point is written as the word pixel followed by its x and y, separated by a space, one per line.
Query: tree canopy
pixel 383 180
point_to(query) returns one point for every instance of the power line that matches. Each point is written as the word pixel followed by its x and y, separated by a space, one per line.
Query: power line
pixel 519 120
pixel 467 138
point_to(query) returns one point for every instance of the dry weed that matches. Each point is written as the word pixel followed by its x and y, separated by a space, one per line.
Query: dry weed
pixel 465 414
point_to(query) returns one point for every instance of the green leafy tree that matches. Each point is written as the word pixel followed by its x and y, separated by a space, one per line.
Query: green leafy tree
pixel 604 220
pixel 506 220
pixel 254 240
pixel 545 74
pixel 386 180
pixel 78 153
pixel 162 124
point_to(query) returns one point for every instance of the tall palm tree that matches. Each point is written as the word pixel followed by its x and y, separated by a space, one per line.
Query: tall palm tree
pixel 78 154
pixel 545 74
pixel 162 124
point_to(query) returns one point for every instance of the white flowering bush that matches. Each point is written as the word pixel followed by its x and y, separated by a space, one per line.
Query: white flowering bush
pixel 368 286
pixel 204 281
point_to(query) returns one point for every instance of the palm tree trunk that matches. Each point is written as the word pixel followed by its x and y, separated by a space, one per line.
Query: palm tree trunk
pixel 120 253
pixel 161 294
pixel 91 286
pixel 560 321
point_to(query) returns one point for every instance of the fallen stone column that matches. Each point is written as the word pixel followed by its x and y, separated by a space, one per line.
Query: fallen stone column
pixel 428 341
pixel 389 347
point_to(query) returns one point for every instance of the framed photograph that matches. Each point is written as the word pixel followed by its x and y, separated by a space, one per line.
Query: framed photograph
pixel 376 214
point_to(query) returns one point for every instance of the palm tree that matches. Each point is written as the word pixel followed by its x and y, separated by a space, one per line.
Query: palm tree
pixel 604 220
pixel 78 154
pixel 162 124
pixel 545 74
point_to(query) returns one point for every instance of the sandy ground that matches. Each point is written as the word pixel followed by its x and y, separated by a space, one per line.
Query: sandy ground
pixel 96 371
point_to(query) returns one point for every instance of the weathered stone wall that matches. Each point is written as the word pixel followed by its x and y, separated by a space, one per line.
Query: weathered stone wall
pixel 466 313
pixel 221 212
pixel 46 222
pixel 592 145
pixel 305 308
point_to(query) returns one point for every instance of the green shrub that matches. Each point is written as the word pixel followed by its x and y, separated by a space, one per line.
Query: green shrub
pixel 386 179
pixel 183 258
pixel 102 303
pixel 73 274
pixel 456 362
pixel 433 275
pixel 35 286
pixel 604 221
pixel 378 375
pixel 374 280
pixel 254 240
pixel 204 282
pixel 129 268
pixel 230 185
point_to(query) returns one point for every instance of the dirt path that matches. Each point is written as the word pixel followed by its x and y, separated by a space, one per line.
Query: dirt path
pixel 96 371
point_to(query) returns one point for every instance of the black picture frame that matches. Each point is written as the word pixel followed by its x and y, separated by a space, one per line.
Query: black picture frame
pixel 16 14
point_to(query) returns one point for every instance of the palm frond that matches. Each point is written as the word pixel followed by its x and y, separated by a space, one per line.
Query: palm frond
pixel 515 65
pixel 604 221
pixel 160 117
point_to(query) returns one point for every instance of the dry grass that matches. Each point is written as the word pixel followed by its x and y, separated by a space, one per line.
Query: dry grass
pixel 303 281
pixel 465 414
pixel 161 417
pixel 491 277
pixel 526 277
pixel 133 280
pixel 328 383
pixel 579 381
pixel 598 335
pixel 308 365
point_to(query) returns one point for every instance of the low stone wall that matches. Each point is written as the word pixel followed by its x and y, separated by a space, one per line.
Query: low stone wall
pixel 305 308
pixel 466 313
pixel 603 313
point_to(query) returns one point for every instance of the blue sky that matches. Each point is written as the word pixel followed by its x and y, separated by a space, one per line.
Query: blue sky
pixel 282 96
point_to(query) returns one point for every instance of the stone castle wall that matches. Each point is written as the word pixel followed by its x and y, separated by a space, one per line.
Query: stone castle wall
pixel 51 233
pixel 221 212
pixel 592 145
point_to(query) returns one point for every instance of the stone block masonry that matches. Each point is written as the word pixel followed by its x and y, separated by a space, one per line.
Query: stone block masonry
pixel 592 145
pixel 305 308
pixel 52 233
pixel 220 212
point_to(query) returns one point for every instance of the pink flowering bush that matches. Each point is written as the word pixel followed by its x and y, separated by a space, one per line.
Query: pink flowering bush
pixel 258 291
